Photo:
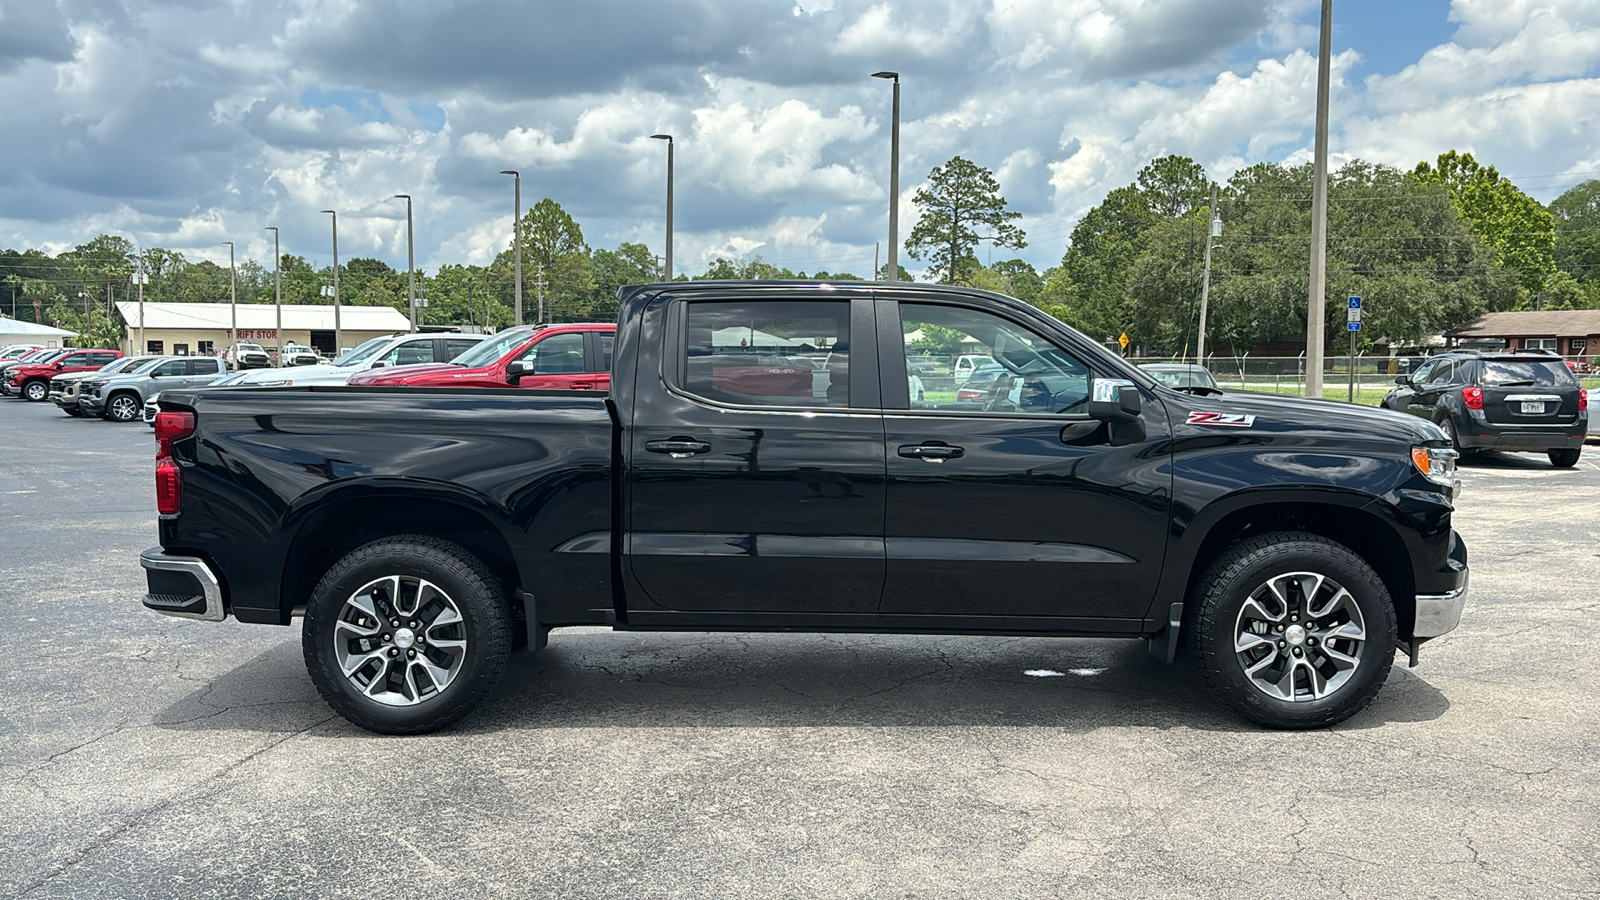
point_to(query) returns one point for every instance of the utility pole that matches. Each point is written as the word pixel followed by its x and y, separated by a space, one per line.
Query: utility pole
pixel 894 178
pixel 877 246
pixel 233 302
pixel 539 286
pixel 142 346
pixel 1316 308
pixel 277 287
pixel 1213 228
pixel 411 261
pixel 668 139
pixel 338 334
pixel 516 205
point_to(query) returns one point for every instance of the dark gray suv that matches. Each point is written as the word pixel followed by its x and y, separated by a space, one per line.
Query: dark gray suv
pixel 1525 400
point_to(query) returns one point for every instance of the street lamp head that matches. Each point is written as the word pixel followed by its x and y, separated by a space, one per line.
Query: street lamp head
pixel 330 211
pixel 661 137
pixel 271 228
pixel 509 172
pixel 894 75
pixel 401 197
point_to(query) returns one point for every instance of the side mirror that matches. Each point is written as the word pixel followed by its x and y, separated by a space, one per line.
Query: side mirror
pixel 517 369
pixel 1115 401
pixel 1402 379
pixel 156 373
pixel 378 364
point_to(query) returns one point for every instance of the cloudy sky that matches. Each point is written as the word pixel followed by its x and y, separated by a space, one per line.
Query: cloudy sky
pixel 188 122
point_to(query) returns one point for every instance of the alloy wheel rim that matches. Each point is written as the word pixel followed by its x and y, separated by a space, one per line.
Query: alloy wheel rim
pixel 36 392
pixel 123 408
pixel 400 640
pixel 1299 637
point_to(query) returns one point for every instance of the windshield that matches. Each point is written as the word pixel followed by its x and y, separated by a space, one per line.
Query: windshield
pixel 495 347
pixel 363 353
pixel 1517 373
pixel 253 348
pixel 44 356
pixel 124 365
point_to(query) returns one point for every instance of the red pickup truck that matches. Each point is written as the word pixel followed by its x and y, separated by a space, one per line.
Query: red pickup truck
pixel 571 357
pixel 32 381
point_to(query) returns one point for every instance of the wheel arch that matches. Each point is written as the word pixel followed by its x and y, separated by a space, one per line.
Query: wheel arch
pixel 337 525
pixel 1356 525
pixel 118 392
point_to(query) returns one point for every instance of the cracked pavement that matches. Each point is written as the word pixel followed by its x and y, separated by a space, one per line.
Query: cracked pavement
pixel 145 756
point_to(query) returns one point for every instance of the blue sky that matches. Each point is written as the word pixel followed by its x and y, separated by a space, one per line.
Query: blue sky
pixel 183 125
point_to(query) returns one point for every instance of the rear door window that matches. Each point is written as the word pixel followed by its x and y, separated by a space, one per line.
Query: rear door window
pixel 454 347
pixel 769 353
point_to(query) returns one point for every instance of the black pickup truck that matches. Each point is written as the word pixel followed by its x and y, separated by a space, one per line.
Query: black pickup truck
pixel 766 461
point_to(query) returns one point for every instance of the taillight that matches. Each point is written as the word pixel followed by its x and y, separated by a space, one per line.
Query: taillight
pixel 1583 399
pixel 170 426
pixel 1473 397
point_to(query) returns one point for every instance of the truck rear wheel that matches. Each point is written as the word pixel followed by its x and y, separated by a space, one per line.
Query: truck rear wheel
pixel 1565 458
pixel 1294 630
pixel 407 634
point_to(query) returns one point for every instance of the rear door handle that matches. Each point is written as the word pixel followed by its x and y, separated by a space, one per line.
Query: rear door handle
pixel 934 453
pixel 583 386
pixel 678 448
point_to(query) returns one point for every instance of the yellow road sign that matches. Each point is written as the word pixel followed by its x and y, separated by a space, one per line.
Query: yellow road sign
pixel 1123 340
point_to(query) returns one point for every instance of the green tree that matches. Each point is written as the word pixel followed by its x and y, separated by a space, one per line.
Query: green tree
pixel 720 269
pixel 553 250
pixel 1576 214
pixel 1520 230
pixel 1174 185
pixel 960 200
pixel 1101 252
pixel 1562 291
pixel 1019 279
pixel 616 269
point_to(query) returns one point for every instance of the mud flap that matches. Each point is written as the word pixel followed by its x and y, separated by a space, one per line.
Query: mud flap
pixel 1163 645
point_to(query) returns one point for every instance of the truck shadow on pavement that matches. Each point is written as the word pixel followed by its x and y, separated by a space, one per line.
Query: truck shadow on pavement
pixel 591 678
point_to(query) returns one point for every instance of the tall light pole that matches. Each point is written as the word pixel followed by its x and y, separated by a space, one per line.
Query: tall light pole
pixel 233 298
pixel 1213 230
pixel 277 287
pixel 517 219
pixel 139 351
pixel 668 139
pixel 411 260
pixel 338 334
pixel 894 181
pixel 1316 309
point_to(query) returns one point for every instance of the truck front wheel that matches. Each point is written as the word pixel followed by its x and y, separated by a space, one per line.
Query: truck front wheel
pixel 407 634
pixel 1294 630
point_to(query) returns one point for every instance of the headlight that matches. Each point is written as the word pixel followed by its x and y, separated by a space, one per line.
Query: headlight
pixel 1438 465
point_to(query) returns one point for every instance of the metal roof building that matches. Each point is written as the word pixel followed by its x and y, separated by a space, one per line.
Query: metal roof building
pixel 15 332
pixel 1570 332
pixel 206 328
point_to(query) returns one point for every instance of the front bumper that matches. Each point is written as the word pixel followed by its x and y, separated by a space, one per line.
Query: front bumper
pixel 182 586
pixel 1438 614
pixel 90 405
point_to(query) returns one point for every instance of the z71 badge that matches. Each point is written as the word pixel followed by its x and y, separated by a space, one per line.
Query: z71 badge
pixel 1232 420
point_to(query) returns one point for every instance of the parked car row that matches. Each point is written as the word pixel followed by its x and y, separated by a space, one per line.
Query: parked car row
pixel 105 384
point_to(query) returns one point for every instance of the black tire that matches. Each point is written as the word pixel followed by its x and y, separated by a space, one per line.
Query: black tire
pixel 1448 426
pixel 484 630
pixel 71 411
pixel 123 407
pixel 1245 570
pixel 1565 459
pixel 36 390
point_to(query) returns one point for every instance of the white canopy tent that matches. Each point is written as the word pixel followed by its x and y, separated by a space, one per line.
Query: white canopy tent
pixel 15 332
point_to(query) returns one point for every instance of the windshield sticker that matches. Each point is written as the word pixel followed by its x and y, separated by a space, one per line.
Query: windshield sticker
pixel 1232 420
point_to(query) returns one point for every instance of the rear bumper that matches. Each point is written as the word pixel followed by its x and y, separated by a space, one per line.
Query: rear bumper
pixel 1481 434
pixel 182 586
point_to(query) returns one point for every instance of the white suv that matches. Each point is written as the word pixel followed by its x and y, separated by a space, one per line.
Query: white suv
pixel 402 349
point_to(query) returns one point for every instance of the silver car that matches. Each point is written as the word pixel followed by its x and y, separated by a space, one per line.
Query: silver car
pixel 120 398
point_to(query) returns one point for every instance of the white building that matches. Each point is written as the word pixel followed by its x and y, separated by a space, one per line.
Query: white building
pixel 15 332
pixel 204 329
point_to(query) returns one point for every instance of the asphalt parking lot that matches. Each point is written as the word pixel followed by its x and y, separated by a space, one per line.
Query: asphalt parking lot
pixel 147 756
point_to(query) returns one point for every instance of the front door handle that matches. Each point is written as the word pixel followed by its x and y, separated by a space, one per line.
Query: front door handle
pixel 582 386
pixel 678 447
pixel 934 453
